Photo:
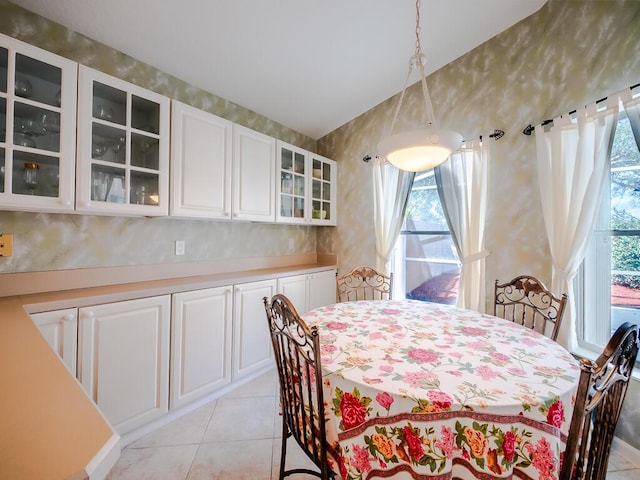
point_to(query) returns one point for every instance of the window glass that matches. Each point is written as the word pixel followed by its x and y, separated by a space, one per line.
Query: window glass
pixel 428 265
pixel 610 293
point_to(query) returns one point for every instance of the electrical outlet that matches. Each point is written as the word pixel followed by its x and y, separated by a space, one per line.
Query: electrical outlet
pixel 179 247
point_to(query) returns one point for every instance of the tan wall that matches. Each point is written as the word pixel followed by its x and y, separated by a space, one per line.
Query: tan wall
pixel 568 54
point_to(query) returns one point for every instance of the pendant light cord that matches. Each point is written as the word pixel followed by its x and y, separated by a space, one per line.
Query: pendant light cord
pixel 417 61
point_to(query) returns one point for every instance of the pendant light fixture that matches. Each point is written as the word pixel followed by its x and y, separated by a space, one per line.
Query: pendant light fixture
pixel 419 150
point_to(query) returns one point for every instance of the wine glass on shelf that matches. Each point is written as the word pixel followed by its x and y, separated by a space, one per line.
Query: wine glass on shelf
pixel 118 146
pixel 23 87
pixel 98 149
pixel 31 176
pixel 144 146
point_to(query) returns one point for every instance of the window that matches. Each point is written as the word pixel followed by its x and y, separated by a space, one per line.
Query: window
pixel 426 263
pixel 610 280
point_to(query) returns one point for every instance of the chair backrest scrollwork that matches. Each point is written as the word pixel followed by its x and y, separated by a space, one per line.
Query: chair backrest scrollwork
pixel 527 301
pixel 363 283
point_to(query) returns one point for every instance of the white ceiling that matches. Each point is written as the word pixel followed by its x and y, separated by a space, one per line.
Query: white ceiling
pixel 311 65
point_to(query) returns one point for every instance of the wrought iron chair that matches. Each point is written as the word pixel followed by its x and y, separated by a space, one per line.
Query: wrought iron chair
pixel 297 352
pixel 527 301
pixel 601 391
pixel 363 283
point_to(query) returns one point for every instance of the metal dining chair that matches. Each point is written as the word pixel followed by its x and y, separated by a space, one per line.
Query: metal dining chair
pixel 601 391
pixel 363 283
pixel 527 301
pixel 297 352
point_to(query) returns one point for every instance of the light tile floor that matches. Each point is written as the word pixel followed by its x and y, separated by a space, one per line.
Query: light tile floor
pixel 237 437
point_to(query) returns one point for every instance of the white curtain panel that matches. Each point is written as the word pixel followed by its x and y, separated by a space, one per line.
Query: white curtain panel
pixel 572 159
pixel 391 187
pixel 462 186
pixel 632 107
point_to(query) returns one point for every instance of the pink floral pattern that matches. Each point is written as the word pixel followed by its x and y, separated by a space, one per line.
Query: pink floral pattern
pixel 442 392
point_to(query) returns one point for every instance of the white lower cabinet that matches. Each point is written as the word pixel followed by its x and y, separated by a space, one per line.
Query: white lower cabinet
pixel 124 359
pixel 322 289
pixel 296 289
pixel 200 343
pixel 139 358
pixel 251 340
pixel 60 329
pixel 309 291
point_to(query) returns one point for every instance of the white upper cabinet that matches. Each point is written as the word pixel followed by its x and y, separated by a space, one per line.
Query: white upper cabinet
pixel 322 190
pixel 37 128
pixel 254 160
pixel 123 147
pixel 292 204
pixel 200 163
pixel 306 187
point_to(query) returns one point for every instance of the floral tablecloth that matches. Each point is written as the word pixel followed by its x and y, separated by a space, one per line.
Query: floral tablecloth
pixel 421 390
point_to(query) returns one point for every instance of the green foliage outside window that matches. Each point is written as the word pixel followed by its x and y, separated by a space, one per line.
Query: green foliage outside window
pixel 625 205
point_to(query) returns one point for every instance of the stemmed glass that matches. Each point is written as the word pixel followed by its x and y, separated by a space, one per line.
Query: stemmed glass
pixel 144 146
pixel 31 176
pixel 118 146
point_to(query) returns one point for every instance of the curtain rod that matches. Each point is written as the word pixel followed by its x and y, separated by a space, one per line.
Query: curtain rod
pixel 529 129
pixel 496 135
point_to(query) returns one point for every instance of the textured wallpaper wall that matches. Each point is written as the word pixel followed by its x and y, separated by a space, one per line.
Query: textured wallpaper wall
pixel 568 54
pixel 52 242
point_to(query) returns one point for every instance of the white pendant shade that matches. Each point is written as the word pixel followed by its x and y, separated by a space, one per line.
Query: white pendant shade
pixel 419 150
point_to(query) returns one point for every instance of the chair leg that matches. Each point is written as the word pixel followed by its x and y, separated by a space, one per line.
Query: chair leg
pixel 283 450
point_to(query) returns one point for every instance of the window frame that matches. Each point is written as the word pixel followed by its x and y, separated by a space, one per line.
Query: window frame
pixel 592 285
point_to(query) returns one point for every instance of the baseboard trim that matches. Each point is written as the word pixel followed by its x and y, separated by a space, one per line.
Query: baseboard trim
pixel 627 451
pixel 105 459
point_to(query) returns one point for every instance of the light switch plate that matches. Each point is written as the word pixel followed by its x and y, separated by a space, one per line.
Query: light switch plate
pixel 179 247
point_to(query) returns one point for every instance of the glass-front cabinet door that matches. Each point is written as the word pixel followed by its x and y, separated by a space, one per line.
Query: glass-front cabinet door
pixel 292 188
pixel 123 147
pixel 306 187
pixel 322 190
pixel 37 128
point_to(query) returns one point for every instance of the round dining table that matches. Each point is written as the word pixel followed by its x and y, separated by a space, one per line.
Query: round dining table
pixel 420 390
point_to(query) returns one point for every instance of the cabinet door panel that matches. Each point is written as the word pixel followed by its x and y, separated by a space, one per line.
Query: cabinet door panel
pixel 60 329
pixel 37 128
pixel 200 163
pixel 201 343
pixel 252 343
pixel 125 359
pixel 254 160
pixel 322 289
pixel 322 190
pixel 292 190
pixel 123 147
pixel 296 289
